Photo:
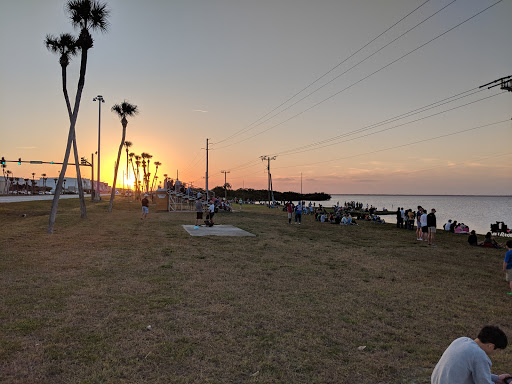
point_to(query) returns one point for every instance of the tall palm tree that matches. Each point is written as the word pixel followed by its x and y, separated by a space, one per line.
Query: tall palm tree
pixel 148 156
pixel 86 15
pixel 66 46
pixel 127 144
pixel 123 110
pixel 157 164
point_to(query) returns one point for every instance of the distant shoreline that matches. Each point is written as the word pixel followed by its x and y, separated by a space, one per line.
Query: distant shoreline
pixel 392 194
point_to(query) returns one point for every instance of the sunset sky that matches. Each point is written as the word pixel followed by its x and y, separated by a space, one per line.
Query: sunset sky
pixel 227 71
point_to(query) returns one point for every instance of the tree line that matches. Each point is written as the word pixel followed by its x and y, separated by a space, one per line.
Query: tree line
pixel 262 195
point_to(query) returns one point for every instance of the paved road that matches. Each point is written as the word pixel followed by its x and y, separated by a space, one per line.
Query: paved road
pixel 18 198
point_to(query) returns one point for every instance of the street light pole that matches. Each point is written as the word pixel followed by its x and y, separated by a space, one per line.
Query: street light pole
pixel 100 100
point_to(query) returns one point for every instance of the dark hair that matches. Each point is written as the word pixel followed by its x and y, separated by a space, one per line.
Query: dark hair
pixel 509 243
pixel 493 335
pixel 488 235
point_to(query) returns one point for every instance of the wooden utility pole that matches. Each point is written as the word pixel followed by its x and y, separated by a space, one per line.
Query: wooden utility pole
pixel 206 176
pixel 225 184
pixel 268 158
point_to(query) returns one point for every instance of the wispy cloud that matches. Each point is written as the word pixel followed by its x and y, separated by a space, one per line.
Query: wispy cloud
pixel 199 110
pixel 26 147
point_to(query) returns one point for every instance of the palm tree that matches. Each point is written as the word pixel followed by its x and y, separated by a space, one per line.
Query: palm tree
pixel 130 156
pixel 127 144
pixel 148 156
pixel 137 182
pixel 123 110
pixel 44 181
pixel 157 164
pixel 86 15
pixel 66 46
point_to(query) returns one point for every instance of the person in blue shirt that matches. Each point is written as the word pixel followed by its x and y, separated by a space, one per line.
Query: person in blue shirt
pixel 298 212
pixel 507 265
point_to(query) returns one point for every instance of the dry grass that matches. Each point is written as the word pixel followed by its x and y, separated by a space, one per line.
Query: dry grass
pixel 291 305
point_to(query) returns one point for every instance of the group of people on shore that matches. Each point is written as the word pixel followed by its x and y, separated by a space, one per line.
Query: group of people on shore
pixel 426 223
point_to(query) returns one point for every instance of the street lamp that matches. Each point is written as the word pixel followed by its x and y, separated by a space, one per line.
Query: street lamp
pixel 100 100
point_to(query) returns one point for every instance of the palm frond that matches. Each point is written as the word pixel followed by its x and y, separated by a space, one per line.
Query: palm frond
pixel 125 109
pixel 128 144
pixel 99 16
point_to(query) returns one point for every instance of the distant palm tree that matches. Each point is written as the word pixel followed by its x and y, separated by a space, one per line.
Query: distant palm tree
pixel 123 110
pixel 86 15
pixel 130 157
pixel 148 156
pixel 157 164
pixel 127 144
pixel 137 163
pixel 44 181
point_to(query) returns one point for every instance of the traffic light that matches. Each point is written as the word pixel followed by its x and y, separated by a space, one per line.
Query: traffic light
pixel 19 161
pixel 3 161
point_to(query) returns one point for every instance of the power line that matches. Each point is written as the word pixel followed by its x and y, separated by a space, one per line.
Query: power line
pixel 243 130
pixel 329 141
pixel 400 146
pixel 366 77
pixel 386 129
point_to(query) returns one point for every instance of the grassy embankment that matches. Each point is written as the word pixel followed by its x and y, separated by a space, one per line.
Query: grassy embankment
pixel 291 305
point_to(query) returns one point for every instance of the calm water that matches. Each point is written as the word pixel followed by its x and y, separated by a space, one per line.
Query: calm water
pixel 477 212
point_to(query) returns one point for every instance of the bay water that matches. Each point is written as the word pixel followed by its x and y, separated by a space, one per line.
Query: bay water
pixel 477 212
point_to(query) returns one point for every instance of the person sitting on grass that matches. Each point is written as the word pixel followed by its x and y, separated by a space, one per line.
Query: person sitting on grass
pixel 489 242
pixel 507 265
pixel 472 239
pixel 467 361
pixel 347 219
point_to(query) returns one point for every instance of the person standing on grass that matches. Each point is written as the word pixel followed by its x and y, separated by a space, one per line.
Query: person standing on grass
pixel 199 212
pixel 289 210
pixel 507 265
pixel 467 361
pixel 418 223
pixel 298 212
pixel 145 207
pixel 424 227
pixel 431 224
pixel 398 218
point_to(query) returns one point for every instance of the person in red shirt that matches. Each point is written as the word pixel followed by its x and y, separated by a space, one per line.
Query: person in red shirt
pixel 289 209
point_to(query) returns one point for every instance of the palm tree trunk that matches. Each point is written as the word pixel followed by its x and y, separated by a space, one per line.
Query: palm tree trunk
pixel 71 135
pixel 83 209
pixel 113 193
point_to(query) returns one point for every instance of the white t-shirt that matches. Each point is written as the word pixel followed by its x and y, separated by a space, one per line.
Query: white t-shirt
pixel 447 226
pixel 211 208
pixel 423 220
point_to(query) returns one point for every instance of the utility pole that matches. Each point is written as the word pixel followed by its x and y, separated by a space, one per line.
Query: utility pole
pixel 206 176
pixel 225 183
pixel 268 158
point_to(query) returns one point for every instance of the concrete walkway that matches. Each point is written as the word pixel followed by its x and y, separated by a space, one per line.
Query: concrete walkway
pixel 216 230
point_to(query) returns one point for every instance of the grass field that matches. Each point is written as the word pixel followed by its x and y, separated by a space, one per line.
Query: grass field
pixel 292 305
